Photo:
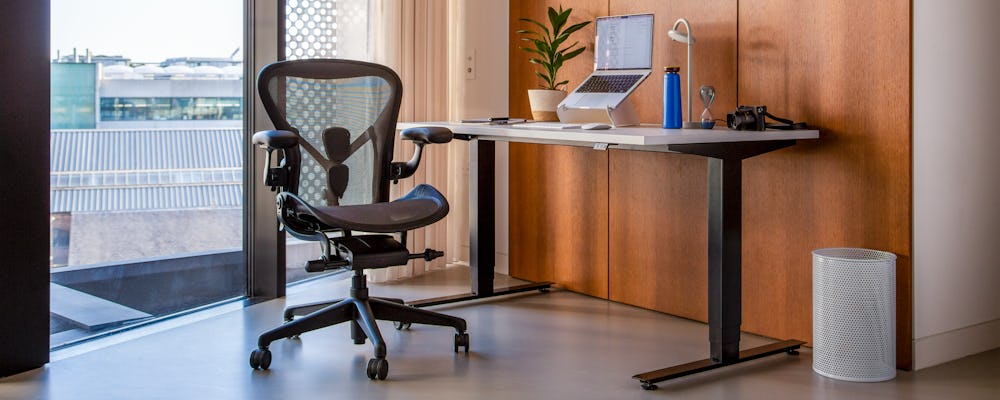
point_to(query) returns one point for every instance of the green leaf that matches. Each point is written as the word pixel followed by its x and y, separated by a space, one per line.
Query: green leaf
pixel 574 28
pixel 573 53
pixel 539 24
pixel 559 41
pixel 531 50
pixel 543 76
pixel 543 48
pixel 554 19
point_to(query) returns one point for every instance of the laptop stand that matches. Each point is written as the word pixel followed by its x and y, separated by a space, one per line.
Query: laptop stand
pixel 622 115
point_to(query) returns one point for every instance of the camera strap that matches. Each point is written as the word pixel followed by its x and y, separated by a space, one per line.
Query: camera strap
pixel 786 124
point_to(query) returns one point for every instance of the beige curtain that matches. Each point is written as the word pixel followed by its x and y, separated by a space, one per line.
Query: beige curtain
pixel 412 38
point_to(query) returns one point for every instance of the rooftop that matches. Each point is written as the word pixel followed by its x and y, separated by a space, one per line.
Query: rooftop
pixel 145 169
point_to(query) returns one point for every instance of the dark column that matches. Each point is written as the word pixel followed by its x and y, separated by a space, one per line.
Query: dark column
pixel 24 200
pixel 482 215
pixel 724 251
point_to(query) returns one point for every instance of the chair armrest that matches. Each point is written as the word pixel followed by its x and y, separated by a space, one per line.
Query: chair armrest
pixel 420 136
pixel 283 175
pixel 427 134
pixel 275 139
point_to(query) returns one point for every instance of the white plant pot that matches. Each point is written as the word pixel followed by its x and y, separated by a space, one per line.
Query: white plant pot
pixel 544 102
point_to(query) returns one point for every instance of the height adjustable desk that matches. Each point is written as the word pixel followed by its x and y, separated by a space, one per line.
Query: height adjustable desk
pixel 725 150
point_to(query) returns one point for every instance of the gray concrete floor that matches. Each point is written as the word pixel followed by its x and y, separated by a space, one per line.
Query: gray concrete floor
pixel 556 345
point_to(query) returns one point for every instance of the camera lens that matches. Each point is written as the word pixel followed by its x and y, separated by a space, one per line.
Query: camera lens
pixel 740 120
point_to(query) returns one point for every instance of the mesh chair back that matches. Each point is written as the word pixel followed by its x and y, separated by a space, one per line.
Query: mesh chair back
pixel 345 114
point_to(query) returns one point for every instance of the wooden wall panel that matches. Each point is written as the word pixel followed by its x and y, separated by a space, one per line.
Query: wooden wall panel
pixel 658 242
pixel 559 216
pixel 659 238
pixel 559 197
pixel 813 61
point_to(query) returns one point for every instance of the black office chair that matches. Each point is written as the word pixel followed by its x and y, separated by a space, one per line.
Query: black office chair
pixel 343 114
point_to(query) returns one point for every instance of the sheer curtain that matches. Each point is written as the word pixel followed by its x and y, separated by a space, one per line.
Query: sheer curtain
pixel 412 38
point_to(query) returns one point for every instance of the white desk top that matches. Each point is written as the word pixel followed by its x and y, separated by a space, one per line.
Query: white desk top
pixel 645 135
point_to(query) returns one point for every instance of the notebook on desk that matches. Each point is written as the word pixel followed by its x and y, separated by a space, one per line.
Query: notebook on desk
pixel 623 58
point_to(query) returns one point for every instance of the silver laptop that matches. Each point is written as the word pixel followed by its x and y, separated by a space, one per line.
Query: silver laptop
pixel 623 58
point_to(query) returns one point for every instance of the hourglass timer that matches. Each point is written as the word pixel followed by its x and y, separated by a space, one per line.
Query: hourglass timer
pixel 707 97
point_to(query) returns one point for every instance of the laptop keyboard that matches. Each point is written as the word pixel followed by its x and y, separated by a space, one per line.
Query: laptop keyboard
pixel 608 83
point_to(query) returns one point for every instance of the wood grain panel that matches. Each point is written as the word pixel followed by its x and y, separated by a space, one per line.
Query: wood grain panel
pixel 559 216
pixel 658 245
pixel 850 188
pixel 522 76
pixel 713 56
pixel 658 238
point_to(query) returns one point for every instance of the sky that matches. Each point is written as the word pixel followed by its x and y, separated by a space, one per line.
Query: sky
pixel 147 30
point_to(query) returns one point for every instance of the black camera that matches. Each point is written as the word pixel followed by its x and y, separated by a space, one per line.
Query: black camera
pixel 747 118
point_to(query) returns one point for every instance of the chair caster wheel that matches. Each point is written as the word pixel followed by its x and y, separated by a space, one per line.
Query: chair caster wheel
pixel 462 340
pixel 402 325
pixel 378 369
pixel 648 386
pixel 260 359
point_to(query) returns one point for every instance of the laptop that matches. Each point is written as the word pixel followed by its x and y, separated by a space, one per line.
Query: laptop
pixel 623 58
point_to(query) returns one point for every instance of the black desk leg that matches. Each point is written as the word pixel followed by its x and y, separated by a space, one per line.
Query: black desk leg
pixel 724 251
pixel 725 192
pixel 482 230
pixel 482 215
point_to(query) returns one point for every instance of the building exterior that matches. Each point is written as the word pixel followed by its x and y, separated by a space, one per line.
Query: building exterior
pixel 146 178
pixel 109 92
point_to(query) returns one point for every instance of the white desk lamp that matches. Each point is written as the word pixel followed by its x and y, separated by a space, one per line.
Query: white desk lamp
pixel 686 38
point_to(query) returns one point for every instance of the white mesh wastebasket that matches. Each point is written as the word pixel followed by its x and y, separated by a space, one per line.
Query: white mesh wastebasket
pixel 854 314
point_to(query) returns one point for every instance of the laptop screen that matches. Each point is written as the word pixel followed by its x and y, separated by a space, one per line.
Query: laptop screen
pixel 624 42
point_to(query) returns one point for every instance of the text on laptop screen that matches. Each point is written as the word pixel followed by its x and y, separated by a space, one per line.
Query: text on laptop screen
pixel 624 42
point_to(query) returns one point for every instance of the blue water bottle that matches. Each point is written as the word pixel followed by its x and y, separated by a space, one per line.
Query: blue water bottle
pixel 671 98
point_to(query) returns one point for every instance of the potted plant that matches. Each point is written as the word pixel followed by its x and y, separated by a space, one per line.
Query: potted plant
pixel 548 50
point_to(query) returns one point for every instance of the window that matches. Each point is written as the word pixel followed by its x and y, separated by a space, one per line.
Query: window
pixel 171 109
pixel 146 161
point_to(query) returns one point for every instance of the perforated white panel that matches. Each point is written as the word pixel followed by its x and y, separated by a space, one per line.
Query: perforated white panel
pixel 854 314
pixel 310 29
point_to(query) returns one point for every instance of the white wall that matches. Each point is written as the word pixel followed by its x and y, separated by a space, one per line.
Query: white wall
pixel 483 36
pixel 956 187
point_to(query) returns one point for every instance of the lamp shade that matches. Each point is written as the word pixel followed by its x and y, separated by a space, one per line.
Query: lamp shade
pixel 686 37
pixel 680 37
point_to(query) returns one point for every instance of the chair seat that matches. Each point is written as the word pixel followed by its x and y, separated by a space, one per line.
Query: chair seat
pixel 422 206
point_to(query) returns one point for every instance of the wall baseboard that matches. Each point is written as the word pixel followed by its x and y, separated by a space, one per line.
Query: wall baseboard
pixel 952 345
